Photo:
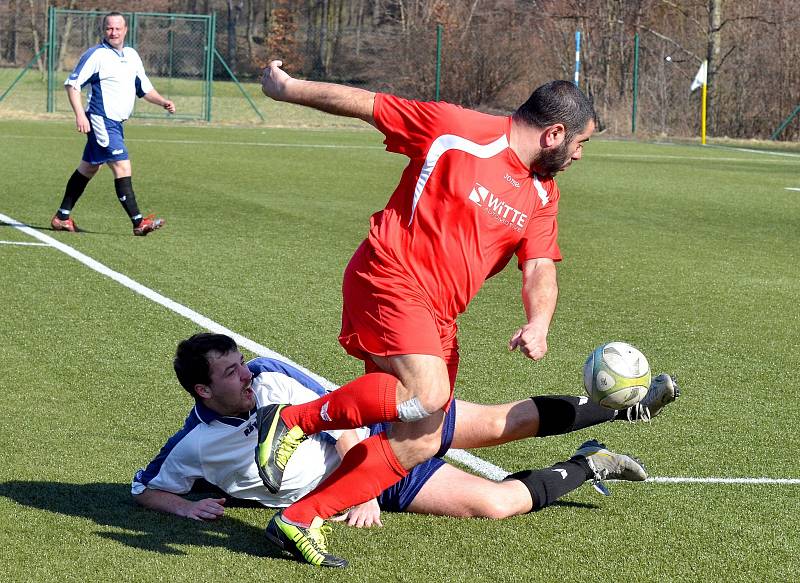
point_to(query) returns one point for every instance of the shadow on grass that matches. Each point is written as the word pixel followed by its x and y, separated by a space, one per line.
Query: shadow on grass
pixel 112 505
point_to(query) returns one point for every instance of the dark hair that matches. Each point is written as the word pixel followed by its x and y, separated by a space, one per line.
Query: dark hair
pixel 110 14
pixel 191 358
pixel 557 102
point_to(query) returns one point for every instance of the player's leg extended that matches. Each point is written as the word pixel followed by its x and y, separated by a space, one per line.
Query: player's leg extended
pixel 418 385
pixel 62 221
pixel 374 464
pixel 488 425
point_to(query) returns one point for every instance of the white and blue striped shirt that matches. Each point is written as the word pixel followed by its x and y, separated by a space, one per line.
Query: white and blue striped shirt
pixel 115 78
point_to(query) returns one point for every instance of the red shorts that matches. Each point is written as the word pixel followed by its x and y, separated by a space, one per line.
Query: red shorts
pixel 386 313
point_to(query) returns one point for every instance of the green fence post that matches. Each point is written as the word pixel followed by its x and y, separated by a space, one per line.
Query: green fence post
pixel 635 80
pixel 22 73
pixel 211 23
pixel 785 123
pixel 50 44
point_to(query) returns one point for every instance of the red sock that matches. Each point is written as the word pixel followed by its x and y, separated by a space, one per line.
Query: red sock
pixel 366 470
pixel 369 399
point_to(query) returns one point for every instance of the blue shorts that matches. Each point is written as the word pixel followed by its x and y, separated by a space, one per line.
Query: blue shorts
pixel 105 142
pixel 396 498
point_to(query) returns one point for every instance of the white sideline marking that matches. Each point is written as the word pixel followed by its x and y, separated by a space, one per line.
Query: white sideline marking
pixel 723 480
pixel 475 463
pixel 792 188
pixel 24 243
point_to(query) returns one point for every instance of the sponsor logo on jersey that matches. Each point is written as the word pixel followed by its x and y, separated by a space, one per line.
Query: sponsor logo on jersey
pixel 511 181
pixel 249 429
pixel 497 208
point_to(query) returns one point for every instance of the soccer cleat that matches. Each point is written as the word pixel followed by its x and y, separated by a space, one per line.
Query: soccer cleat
pixel 663 390
pixel 276 444
pixel 308 544
pixel 607 465
pixel 149 223
pixel 64 224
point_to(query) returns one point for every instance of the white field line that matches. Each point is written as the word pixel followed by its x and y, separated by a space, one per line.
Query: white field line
pixel 24 243
pixel 792 188
pixel 381 148
pixel 483 467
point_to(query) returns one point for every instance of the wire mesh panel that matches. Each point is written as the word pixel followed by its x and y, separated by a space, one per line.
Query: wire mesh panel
pixel 176 50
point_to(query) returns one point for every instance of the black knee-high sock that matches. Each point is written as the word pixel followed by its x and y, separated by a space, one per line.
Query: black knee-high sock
pixel 126 197
pixel 75 187
pixel 560 414
pixel 548 485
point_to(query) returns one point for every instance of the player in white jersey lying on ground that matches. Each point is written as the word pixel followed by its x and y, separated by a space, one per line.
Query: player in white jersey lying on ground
pixel 216 445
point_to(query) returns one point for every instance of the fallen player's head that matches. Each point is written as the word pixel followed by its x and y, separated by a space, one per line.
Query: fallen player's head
pixel 211 368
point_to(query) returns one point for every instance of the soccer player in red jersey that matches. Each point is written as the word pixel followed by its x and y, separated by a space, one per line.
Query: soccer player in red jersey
pixel 478 189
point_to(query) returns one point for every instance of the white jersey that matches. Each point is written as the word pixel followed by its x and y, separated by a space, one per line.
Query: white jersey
pixel 221 450
pixel 115 78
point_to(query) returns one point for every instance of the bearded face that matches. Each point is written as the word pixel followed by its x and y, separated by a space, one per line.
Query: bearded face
pixel 552 160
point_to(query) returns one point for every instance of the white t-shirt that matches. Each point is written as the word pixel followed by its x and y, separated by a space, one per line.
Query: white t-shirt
pixel 115 78
pixel 221 450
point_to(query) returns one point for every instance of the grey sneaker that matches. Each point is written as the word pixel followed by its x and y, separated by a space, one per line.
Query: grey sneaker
pixel 663 390
pixel 607 465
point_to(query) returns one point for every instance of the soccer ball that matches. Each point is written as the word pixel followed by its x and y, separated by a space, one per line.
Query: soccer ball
pixel 616 375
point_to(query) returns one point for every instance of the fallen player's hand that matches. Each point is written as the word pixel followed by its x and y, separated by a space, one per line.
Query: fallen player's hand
pixel 363 515
pixel 206 509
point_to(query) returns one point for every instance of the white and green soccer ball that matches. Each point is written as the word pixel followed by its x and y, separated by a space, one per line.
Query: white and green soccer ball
pixel 616 375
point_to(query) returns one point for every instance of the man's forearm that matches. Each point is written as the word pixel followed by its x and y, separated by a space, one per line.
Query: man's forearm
pixel 331 98
pixel 540 293
pixel 163 502
pixel 74 97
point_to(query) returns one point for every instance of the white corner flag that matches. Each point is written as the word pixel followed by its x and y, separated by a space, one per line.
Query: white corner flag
pixel 700 78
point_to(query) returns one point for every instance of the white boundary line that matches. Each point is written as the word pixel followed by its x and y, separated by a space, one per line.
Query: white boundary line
pixel 483 467
pixel 24 243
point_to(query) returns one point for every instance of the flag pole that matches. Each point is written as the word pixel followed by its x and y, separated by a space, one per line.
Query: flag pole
pixel 703 116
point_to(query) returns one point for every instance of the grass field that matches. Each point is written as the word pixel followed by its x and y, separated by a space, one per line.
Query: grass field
pixel 689 253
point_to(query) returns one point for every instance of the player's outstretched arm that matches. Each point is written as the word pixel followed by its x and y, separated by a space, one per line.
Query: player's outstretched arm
pixel 328 97
pixel 205 509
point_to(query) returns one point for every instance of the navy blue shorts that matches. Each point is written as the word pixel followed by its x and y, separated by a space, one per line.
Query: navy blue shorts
pixel 396 498
pixel 105 142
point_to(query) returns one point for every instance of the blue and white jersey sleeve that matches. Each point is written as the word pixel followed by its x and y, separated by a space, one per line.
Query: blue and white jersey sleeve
pixel 115 79
pixel 142 83
pixel 175 469
pixel 88 67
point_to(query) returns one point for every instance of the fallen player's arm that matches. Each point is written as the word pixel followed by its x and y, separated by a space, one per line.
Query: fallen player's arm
pixel 205 509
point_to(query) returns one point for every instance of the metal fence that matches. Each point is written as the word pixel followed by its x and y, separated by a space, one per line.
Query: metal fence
pixel 177 51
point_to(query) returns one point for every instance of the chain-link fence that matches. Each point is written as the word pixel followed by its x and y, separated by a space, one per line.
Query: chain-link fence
pixel 177 51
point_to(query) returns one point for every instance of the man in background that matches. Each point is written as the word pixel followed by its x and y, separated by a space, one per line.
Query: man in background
pixel 115 76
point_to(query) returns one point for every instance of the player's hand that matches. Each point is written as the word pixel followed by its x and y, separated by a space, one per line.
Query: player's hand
pixel 363 515
pixel 274 80
pixel 531 341
pixel 206 509
pixel 82 123
pixel 169 106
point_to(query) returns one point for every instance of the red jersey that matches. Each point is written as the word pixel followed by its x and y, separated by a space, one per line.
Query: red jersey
pixel 464 205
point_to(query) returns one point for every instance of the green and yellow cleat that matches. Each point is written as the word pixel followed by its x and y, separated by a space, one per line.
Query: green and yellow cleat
pixel 308 544
pixel 276 444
